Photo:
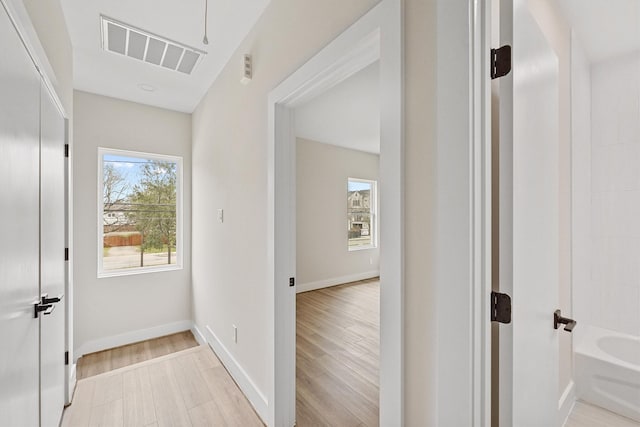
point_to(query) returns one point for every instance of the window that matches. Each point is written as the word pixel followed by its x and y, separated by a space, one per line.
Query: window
pixel 139 212
pixel 361 214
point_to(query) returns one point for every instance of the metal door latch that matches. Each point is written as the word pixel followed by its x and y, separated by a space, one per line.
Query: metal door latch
pixel 45 309
pixel 46 305
pixel 559 320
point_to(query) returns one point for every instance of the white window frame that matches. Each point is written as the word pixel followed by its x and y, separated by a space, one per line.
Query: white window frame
pixel 373 208
pixel 179 213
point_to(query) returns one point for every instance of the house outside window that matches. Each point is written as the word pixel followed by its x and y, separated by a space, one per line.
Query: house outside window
pixel 139 212
pixel 361 214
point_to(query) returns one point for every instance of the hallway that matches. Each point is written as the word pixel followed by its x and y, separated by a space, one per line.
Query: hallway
pixel 187 388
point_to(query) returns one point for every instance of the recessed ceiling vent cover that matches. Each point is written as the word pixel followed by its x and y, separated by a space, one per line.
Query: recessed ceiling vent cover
pixel 118 37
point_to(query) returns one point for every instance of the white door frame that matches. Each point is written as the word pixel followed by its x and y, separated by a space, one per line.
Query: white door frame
pixel 481 229
pixel 378 34
pixel 463 240
pixel 482 197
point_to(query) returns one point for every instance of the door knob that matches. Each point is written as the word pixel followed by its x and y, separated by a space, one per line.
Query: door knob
pixel 559 320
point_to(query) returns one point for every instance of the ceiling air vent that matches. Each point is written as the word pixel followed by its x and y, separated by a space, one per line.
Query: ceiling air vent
pixel 124 39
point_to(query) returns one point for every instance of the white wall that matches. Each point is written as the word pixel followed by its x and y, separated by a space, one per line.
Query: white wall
pixel 454 212
pixel 323 258
pixel 48 20
pixel 614 291
pixel 420 337
pixel 230 171
pixel 119 310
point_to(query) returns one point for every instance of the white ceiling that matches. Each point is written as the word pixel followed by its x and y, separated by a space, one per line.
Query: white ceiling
pixel 106 73
pixel 347 115
pixel 605 28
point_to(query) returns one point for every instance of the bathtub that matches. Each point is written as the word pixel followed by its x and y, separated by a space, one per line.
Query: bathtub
pixel 607 371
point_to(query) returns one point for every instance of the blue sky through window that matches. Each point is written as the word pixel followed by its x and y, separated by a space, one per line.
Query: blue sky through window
pixel 359 186
pixel 129 167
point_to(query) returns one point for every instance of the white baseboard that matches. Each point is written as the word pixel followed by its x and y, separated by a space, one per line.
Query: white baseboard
pixel 71 383
pixel 566 402
pixel 130 338
pixel 246 384
pixel 198 335
pixel 325 283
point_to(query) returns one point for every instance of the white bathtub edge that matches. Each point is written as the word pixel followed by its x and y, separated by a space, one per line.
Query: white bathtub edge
pixel 588 345
pixel 566 402
pixel 598 374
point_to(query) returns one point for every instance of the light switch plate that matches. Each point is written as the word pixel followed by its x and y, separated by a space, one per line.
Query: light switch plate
pixel 221 215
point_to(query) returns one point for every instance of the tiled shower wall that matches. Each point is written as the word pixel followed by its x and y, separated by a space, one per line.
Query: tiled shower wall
pixel 613 292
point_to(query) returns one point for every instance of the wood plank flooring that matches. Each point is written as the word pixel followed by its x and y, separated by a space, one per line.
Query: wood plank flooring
pixel 187 388
pixel 587 415
pixel 108 360
pixel 337 358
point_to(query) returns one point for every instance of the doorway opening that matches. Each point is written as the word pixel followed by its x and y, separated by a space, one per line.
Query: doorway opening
pixel 337 267
pixel 568 151
pixel 603 159
pixel 375 36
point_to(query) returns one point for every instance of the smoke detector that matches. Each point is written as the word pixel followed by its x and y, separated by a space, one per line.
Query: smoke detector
pixel 125 39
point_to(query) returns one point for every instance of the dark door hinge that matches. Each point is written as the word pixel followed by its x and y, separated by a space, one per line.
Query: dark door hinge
pixel 66 150
pixel 292 281
pixel 500 62
pixel 500 307
pixel 66 254
pixel 66 357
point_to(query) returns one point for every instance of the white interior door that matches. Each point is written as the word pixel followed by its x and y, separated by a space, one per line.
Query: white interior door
pixel 529 221
pixel 19 230
pixel 52 263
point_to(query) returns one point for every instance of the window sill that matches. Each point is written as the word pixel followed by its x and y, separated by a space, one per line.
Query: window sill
pixel 136 271
pixel 362 248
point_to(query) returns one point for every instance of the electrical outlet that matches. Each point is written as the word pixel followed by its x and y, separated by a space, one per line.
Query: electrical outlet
pixel 235 333
pixel 221 215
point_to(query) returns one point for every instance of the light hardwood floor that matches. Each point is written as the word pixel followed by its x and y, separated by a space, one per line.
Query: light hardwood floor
pixel 586 415
pixel 187 388
pixel 107 360
pixel 337 360
pixel 337 375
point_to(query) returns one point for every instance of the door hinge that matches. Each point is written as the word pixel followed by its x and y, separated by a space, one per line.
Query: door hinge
pixel 66 254
pixel 500 62
pixel 66 357
pixel 66 150
pixel 500 307
pixel 292 281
